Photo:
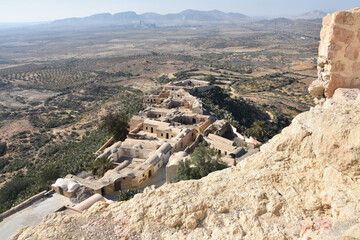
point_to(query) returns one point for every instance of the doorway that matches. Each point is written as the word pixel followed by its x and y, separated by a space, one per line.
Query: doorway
pixel 117 185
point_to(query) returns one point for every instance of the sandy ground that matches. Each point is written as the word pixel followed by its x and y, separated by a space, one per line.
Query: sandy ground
pixel 270 115
pixel 8 98
pixel 308 80
pixel 14 127
pixel 304 66
pixel 32 215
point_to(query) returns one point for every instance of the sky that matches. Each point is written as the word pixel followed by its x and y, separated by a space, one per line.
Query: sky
pixel 48 10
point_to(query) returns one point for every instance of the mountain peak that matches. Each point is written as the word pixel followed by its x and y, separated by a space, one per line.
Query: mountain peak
pixel 315 14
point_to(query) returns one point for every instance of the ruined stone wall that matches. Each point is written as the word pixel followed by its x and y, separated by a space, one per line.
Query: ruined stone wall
pixel 338 62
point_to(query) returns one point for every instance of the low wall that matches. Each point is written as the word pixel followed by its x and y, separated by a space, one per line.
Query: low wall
pixel 105 145
pixel 25 204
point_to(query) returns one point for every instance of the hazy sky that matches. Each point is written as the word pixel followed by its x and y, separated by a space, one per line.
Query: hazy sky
pixel 46 10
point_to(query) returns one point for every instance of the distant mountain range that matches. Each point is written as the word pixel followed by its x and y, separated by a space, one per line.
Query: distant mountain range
pixel 187 17
pixel 167 19
pixel 311 15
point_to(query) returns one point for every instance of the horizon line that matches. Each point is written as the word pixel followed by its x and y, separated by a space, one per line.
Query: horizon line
pixel 252 16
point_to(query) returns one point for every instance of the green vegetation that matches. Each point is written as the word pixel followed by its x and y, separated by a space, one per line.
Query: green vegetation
pixel 182 75
pixel 3 163
pixel 100 166
pixel 15 165
pixel 116 124
pixel 230 66
pixel 265 130
pixel 116 74
pixel 240 112
pixel 268 82
pixel 3 148
pixel 47 176
pixel 164 79
pixel 210 78
pixel 12 190
pixel 58 161
pixel 249 118
pixel 128 194
pixel 38 141
pixel 203 161
pixel 258 130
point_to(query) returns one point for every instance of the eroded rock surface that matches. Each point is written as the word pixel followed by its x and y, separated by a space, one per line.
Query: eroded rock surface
pixel 338 62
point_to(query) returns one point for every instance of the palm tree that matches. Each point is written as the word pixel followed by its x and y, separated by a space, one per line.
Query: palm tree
pixel 100 166
pixel 257 130
pixel 116 124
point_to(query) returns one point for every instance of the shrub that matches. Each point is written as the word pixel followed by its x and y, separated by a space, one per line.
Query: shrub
pixel 3 163
pixel 203 161
pixel 258 130
pixel 210 78
pixel 15 165
pixel 128 194
pixel 74 134
pixel 47 176
pixel 3 148
pixel 100 166
pixel 39 141
pixel 163 79
pixel 11 189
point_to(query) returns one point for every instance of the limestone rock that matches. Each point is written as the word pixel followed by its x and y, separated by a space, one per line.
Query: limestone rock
pixel 339 62
pixel 353 233
pixel 317 88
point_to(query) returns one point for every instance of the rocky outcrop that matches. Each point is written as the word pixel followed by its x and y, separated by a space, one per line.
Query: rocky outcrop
pixel 304 183
pixel 338 62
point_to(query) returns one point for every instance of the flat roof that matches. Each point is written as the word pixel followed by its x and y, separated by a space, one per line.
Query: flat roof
pixel 146 144
pixel 156 123
pixel 220 142
pixel 162 110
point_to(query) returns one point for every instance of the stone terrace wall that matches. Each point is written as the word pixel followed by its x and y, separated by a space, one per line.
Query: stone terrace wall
pixel 338 62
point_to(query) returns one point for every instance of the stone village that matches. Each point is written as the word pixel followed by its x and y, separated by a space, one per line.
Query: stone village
pixel 164 134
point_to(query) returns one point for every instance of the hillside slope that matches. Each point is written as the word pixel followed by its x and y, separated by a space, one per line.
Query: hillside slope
pixel 303 183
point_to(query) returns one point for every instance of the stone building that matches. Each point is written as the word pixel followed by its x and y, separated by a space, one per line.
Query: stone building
pixel 168 129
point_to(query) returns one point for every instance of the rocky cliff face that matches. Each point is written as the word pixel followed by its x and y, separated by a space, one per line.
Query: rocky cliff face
pixel 304 183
